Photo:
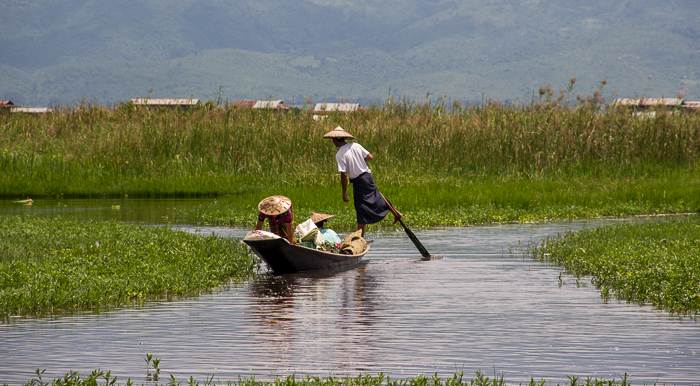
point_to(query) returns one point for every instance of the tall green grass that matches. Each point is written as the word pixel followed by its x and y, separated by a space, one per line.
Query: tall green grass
pixel 54 266
pixel 481 200
pixel 86 150
pixel 509 162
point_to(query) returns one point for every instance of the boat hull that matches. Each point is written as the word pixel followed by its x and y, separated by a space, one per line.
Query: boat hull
pixel 283 257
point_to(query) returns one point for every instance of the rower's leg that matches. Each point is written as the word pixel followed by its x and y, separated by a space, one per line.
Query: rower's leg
pixel 362 228
pixel 397 214
pixel 393 210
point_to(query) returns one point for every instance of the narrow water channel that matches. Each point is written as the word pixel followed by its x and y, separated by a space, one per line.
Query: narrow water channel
pixel 484 306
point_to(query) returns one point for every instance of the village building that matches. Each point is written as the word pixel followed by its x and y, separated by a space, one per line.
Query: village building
pixel 321 109
pixel 262 104
pixel 647 103
pixel 166 102
pixel 11 107
pixel 691 105
pixel 7 105
pixel 644 106
pixel 32 110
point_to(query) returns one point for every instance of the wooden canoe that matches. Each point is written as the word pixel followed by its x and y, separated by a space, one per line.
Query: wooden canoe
pixel 283 257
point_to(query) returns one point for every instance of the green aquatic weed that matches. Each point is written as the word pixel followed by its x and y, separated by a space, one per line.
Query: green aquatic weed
pixel 59 265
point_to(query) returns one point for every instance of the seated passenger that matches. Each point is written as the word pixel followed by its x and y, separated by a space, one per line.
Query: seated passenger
pixel 329 235
pixel 279 214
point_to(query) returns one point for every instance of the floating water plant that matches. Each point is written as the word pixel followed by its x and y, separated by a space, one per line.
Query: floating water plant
pixel 98 377
pixel 652 262
pixel 53 266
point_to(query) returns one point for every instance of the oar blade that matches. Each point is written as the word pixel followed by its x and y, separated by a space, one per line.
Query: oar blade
pixel 424 252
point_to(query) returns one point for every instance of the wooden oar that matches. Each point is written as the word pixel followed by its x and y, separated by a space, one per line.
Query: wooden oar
pixel 424 252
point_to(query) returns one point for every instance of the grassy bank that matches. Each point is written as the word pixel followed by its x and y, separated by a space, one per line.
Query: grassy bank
pixel 97 377
pixel 446 167
pixel 53 266
pixel 480 200
pixel 655 262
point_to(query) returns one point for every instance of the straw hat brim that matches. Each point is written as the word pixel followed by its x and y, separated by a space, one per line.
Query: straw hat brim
pixel 339 133
pixel 275 205
pixel 318 217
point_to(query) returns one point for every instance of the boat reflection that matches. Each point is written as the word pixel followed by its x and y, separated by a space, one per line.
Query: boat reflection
pixel 307 313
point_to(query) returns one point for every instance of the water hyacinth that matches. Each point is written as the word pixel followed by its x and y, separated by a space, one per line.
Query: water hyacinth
pixel 458 379
pixel 52 266
pixel 654 262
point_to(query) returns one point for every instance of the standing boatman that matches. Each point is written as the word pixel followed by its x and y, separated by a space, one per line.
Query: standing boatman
pixel 352 158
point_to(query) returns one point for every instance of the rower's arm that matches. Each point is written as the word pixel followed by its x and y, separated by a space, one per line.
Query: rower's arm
pixel 344 185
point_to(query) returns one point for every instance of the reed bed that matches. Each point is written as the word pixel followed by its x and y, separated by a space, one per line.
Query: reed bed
pixel 87 150
pixel 55 266
pixel 482 163
pixel 655 262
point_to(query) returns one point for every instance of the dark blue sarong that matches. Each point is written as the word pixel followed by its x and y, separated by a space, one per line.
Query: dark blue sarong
pixel 369 203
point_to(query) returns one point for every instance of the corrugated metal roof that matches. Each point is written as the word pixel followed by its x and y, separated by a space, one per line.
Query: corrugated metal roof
pixel 648 102
pixel 692 105
pixel 245 103
pixel 275 105
pixel 6 103
pixel 342 107
pixel 262 104
pixel 32 110
pixel 165 102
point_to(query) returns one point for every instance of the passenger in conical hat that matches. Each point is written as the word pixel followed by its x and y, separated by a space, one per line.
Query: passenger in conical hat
pixel 329 235
pixel 279 213
pixel 352 159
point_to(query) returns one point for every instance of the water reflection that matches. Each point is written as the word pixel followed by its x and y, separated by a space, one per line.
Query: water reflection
pixel 274 299
pixel 140 210
pixel 292 311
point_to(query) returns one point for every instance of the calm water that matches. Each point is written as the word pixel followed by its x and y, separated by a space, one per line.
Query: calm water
pixel 480 307
pixel 149 211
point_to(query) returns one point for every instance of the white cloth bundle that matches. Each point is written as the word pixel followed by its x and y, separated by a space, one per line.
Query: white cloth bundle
pixel 308 228
pixel 260 235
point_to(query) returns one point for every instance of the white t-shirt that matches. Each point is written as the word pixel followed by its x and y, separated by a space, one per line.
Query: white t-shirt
pixel 351 159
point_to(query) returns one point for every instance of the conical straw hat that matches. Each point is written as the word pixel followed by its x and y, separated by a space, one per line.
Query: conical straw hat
pixel 338 132
pixel 318 217
pixel 274 205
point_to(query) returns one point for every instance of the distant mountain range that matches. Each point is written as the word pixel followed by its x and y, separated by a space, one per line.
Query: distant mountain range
pixel 358 50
